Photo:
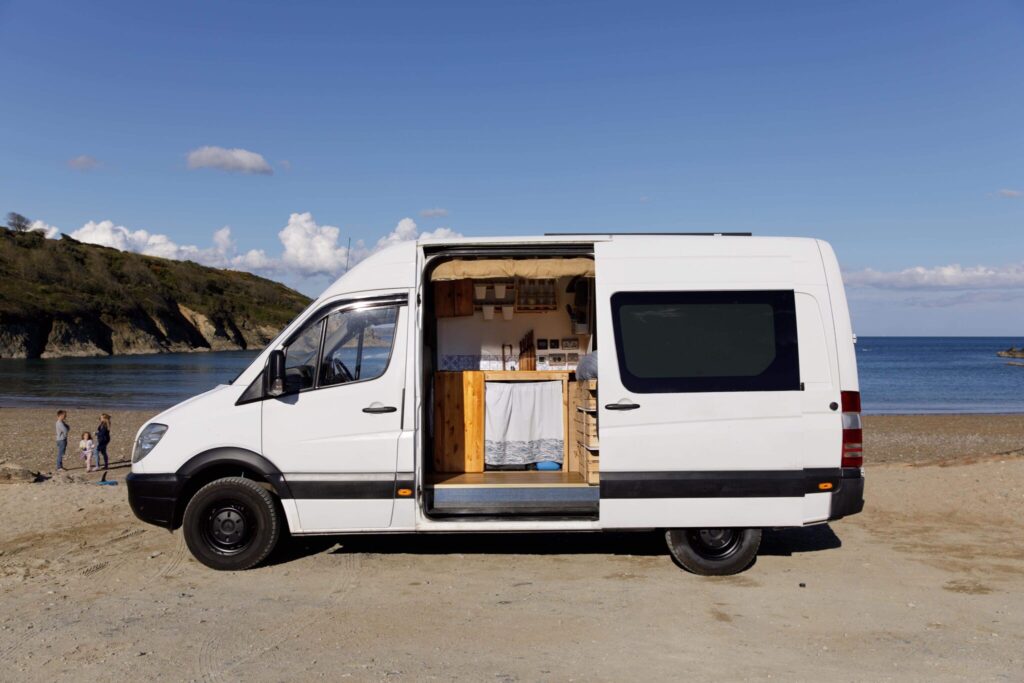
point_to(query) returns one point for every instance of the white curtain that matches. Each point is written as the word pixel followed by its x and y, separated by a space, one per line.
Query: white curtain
pixel 523 422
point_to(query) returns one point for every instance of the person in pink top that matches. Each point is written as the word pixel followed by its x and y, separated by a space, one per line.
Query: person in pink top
pixel 87 449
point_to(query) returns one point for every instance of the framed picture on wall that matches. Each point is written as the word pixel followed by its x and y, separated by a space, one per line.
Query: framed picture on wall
pixel 542 344
pixel 552 343
pixel 572 358
pixel 556 359
pixel 570 343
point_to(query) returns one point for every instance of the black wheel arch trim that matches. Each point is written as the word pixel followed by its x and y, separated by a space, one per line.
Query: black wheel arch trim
pixel 234 455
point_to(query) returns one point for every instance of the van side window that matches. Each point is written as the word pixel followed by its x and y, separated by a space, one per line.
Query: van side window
pixel 300 359
pixel 678 342
pixel 357 345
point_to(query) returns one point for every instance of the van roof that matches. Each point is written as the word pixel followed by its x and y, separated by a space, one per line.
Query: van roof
pixel 565 237
pixel 394 267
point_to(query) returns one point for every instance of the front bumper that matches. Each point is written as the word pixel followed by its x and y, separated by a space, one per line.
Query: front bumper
pixel 154 497
pixel 849 499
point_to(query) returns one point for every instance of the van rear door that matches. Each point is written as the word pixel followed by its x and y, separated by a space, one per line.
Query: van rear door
pixel 701 415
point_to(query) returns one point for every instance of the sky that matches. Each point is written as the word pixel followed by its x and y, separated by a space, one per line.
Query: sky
pixel 265 136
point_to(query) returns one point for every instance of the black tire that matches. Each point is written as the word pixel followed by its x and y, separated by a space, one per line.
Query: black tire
pixel 714 552
pixel 231 524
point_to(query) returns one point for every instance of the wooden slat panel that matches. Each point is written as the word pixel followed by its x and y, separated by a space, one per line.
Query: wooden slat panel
pixel 459 421
pixel 571 463
pixel 524 375
pixel 473 416
pixel 566 453
pixel 449 434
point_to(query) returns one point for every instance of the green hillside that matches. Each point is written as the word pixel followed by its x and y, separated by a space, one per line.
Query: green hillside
pixel 63 297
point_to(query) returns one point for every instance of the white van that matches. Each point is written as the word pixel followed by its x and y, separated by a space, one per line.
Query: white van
pixel 705 385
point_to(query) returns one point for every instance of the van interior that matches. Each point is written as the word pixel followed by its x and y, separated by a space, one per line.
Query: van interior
pixel 511 429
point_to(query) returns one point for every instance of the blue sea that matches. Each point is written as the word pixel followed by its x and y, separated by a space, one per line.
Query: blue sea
pixel 897 375
pixel 939 375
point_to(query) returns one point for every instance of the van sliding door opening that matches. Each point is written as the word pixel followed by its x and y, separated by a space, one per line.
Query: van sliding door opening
pixel 504 335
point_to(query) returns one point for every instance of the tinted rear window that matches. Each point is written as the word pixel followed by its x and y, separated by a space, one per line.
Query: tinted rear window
pixel 706 341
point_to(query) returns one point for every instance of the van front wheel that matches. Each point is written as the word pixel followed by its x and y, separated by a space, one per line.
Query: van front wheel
pixel 713 552
pixel 231 524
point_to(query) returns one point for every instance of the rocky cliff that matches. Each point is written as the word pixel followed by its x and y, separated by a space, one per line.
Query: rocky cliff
pixel 1012 352
pixel 66 298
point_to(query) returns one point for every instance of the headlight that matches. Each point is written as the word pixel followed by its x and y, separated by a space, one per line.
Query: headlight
pixel 148 440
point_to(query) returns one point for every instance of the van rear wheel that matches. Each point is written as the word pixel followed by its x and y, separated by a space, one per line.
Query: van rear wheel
pixel 231 524
pixel 713 552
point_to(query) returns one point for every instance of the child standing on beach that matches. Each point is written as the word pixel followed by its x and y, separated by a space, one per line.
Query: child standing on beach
pixel 62 438
pixel 102 440
pixel 88 450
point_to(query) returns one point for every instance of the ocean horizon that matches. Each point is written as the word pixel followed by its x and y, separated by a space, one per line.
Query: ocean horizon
pixel 898 375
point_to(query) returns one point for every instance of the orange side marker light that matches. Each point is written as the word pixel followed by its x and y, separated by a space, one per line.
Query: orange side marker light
pixel 825 485
pixel 405 493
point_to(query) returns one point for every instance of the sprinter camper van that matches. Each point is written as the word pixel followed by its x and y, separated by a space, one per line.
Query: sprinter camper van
pixel 703 385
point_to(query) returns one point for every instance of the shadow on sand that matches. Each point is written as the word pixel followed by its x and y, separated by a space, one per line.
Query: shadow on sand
pixel 780 542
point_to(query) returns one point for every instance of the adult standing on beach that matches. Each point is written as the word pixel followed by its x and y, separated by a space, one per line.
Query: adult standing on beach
pixel 102 439
pixel 62 438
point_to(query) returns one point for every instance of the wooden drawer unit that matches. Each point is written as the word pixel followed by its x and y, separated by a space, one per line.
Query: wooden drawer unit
pixel 585 430
pixel 588 464
pixel 586 393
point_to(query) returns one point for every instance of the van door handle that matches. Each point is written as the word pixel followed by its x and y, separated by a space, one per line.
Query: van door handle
pixel 377 408
pixel 623 404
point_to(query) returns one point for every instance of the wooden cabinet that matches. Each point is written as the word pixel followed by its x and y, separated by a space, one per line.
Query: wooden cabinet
pixel 453 298
pixel 459 415
pixel 459 421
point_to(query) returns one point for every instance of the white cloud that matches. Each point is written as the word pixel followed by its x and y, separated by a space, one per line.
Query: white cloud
pixel 234 160
pixel 254 261
pixel 436 212
pixel 51 232
pixel 406 231
pixel 222 239
pixel 439 234
pixel 308 249
pixel 311 249
pixel 951 277
pixel 108 234
pixel 1010 194
pixel 83 162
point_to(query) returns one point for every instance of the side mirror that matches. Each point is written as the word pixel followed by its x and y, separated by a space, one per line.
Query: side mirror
pixel 275 373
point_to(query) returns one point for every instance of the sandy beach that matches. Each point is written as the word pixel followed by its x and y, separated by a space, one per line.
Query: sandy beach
pixel 927 583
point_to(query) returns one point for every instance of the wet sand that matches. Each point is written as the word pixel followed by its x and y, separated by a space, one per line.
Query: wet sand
pixel 927 583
